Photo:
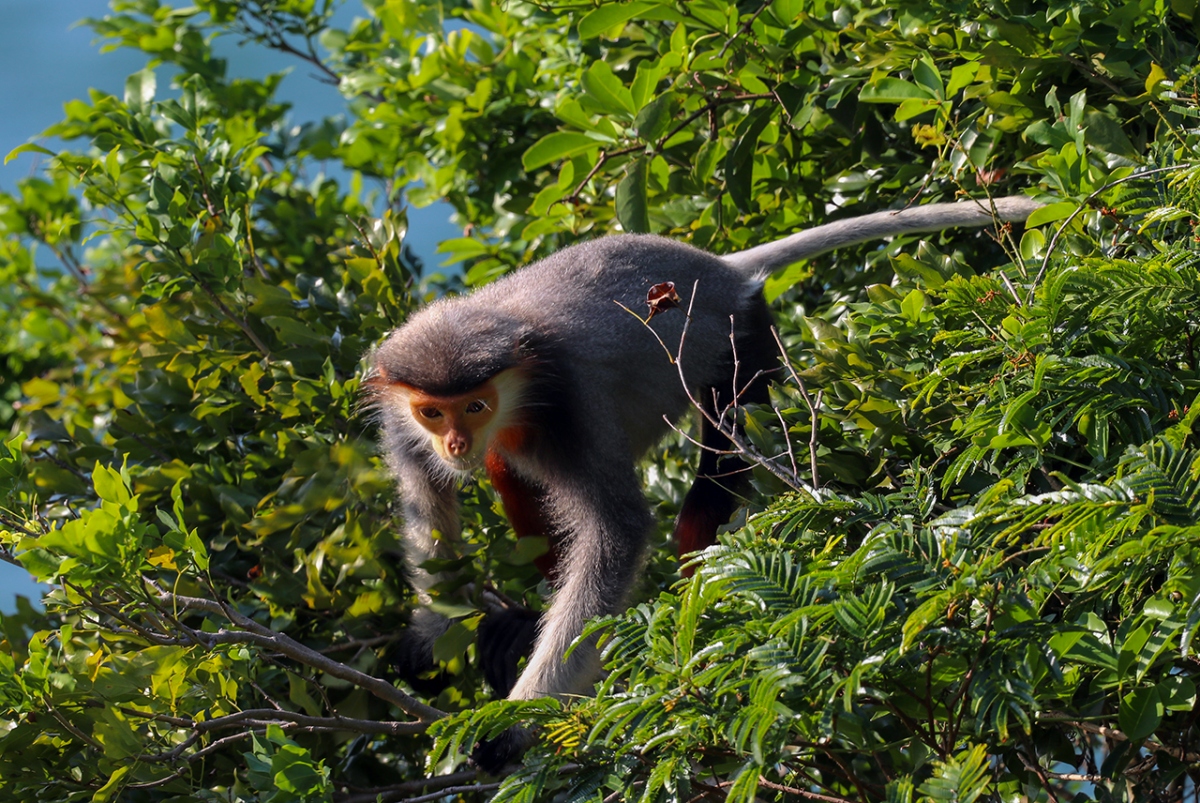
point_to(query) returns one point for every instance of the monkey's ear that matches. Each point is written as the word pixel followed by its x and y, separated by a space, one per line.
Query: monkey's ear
pixel 527 343
pixel 377 381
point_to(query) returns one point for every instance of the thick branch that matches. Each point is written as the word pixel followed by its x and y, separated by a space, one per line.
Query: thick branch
pixel 254 633
pixel 1189 756
pixel 384 794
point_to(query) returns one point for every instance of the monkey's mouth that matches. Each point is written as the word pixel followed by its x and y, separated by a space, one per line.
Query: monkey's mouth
pixel 465 464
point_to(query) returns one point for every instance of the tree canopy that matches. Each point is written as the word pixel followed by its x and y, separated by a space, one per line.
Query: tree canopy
pixel 969 568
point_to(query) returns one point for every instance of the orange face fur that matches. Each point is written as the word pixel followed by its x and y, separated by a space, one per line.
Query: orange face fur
pixel 461 427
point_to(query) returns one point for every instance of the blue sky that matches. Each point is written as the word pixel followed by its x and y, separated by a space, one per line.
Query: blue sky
pixel 47 60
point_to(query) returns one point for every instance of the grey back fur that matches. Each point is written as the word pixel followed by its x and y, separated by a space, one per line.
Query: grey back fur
pixel 583 304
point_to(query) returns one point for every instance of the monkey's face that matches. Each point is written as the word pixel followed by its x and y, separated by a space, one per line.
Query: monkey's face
pixel 461 426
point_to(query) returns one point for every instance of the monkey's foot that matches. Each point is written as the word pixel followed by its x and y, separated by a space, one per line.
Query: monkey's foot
pixel 493 755
pixel 411 656
pixel 505 637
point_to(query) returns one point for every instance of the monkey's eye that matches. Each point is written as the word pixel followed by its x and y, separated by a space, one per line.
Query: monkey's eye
pixel 430 412
pixel 477 406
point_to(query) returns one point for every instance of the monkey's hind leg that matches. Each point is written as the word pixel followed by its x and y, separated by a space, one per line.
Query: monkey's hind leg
pixel 506 635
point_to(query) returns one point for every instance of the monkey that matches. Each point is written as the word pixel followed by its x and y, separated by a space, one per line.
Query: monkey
pixel 546 382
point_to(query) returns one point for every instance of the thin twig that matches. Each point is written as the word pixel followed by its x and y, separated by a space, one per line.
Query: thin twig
pixel 730 433
pixel 804 793
pixel 813 409
pixel 452 790
pixel 366 241
pixel 600 161
pixel 1085 205
pixel 254 260
pixel 646 323
pixel 745 28
pixel 1120 736
pixel 227 312
pixel 787 439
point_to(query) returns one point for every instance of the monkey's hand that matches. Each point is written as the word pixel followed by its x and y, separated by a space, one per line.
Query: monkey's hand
pixel 493 755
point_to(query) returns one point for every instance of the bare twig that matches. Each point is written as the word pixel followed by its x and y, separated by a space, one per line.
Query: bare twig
pixel 646 323
pixel 275 38
pixel 14 525
pixel 254 260
pixel 71 729
pixel 453 790
pixel 224 309
pixel 600 162
pixel 787 439
pixel 1077 776
pixel 264 716
pixel 730 432
pixel 813 408
pixel 1037 769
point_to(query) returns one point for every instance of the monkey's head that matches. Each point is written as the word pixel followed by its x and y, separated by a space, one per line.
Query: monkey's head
pixel 461 427
pixel 458 379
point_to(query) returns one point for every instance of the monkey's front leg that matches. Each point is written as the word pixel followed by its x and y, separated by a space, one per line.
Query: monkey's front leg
pixel 431 530
pixel 604 518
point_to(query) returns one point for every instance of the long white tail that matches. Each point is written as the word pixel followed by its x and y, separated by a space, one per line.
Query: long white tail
pixel 930 217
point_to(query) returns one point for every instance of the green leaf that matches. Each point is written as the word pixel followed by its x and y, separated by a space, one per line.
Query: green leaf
pixel 632 207
pixel 610 15
pixel 1050 213
pixel 168 326
pixel 912 305
pixel 739 162
pixel 925 614
pixel 1141 713
pixel 744 788
pixel 559 145
pixel 786 279
pixel 293 332
pixel 656 117
pixel 1105 133
pixel 28 147
pixel 962 779
pixel 894 90
pixel 603 86
pixel 453 643
pixel 1178 693
pixel 917 272
pixel 140 88
pixel 645 82
pixel 961 76
pixel 109 485
pixel 928 77
pixel 116 782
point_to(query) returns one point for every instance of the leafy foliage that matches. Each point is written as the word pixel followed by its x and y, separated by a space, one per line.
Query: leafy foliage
pixel 985 588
